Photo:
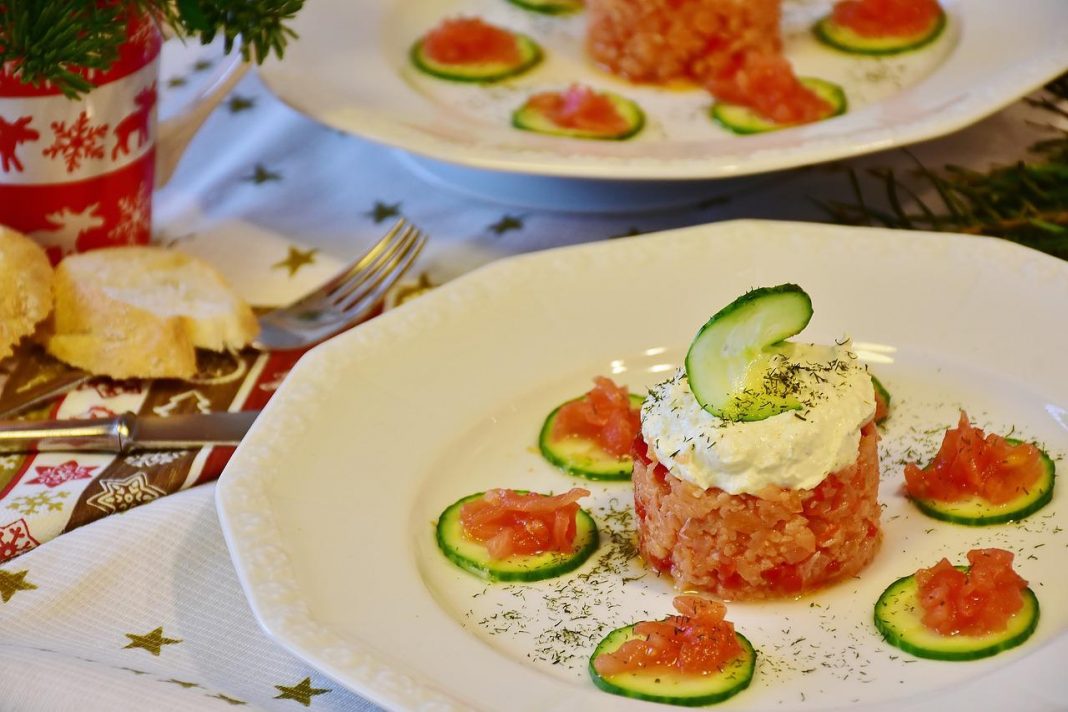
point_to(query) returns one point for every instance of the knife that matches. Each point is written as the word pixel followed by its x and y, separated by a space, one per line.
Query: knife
pixel 128 432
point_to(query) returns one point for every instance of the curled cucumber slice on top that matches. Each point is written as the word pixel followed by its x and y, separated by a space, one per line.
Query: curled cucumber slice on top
pixel 731 354
pixel 882 401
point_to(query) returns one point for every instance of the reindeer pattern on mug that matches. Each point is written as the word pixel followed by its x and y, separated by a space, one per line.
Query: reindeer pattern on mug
pixel 78 174
pixel 12 134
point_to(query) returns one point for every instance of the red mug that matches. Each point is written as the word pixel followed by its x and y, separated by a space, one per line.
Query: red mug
pixel 77 175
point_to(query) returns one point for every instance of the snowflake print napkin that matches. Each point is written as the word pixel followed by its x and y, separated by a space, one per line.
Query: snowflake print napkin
pixel 43 495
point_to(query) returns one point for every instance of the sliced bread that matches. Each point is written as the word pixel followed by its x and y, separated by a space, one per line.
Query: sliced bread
pixel 142 312
pixel 25 288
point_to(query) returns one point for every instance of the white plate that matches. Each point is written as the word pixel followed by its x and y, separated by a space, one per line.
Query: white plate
pixel 327 505
pixel 350 70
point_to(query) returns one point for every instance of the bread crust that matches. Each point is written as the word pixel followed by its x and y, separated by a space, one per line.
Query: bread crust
pixel 120 312
pixel 25 288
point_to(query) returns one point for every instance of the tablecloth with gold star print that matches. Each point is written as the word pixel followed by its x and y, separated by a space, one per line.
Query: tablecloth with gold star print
pixel 116 590
pixel 143 611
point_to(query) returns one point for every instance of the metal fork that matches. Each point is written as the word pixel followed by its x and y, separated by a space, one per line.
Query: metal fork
pixel 340 303
pixel 345 299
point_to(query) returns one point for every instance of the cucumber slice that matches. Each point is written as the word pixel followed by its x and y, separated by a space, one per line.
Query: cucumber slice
pixel 472 556
pixel 743 120
pixel 551 7
pixel 977 512
pixel 899 618
pixel 845 39
pixel 530 54
pixel 675 688
pixel 884 395
pixel 529 118
pixel 582 457
pixel 733 351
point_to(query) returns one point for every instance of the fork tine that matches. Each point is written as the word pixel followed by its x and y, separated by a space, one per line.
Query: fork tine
pixel 362 305
pixel 353 268
pixel 383 263
pixel 348 298
pixel 368 296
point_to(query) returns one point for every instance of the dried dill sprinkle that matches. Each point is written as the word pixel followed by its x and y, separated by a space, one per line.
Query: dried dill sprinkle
pixel 566 618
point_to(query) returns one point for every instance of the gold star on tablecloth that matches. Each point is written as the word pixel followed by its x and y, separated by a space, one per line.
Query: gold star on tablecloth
pixel 382 211
pixel 260 175
pixel 10 583
pixel 506 223
pixel 296 259
pixel 238 103
pixel 230 700
pixel 152 641
pixel 406 291
pixel 302 692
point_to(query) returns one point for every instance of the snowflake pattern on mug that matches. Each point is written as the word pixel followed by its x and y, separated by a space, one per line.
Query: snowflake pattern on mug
pixel 135 217
pixel 80 141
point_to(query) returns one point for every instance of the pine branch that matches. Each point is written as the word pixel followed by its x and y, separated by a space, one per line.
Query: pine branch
pixel 46 40
pixel 260 24
pixel 49 41
pixel 1026 202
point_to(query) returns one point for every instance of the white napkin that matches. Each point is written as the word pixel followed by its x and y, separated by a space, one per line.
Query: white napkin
pixel 143 611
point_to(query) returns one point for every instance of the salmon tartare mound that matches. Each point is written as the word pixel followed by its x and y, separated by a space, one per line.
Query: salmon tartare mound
pixel 663 40
pixel 733 48
pixel 756 474
pixel 775 544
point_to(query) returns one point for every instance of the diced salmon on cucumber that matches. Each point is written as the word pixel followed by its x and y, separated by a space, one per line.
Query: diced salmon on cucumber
pixel 510 522
pixel 948 612
pixel 882 18
pixel 591 436
pixel 979 479
pixel 468 49
pixel 580 112
pixel 973 602
pixel 881 26
pixel 693 658
pixel 510 535
pixel 762 93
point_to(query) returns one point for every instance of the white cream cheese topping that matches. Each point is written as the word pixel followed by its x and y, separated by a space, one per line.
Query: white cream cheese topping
pixel 792 450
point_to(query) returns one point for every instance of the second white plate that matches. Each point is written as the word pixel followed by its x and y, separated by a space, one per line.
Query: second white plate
pixel 350 70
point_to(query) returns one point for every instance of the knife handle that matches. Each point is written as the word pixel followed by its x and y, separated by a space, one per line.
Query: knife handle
pixel 95 435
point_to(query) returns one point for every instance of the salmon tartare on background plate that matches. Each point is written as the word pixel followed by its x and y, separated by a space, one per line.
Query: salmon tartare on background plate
pixel 329 505
pixel 351 69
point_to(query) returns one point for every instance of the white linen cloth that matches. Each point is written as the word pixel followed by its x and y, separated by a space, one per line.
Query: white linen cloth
pixel 81 637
